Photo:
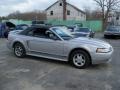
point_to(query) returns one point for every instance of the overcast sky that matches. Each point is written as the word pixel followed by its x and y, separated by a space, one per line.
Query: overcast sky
pixel 9 6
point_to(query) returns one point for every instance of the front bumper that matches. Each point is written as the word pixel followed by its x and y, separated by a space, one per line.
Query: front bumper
pixel 102 57
pixel 9 45
pixel 112 34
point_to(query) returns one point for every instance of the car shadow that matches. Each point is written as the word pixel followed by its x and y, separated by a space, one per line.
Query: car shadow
pixel 103 66
pixel 65 63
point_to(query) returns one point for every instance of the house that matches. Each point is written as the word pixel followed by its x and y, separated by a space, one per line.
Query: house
pixel 61 10
pixel 114 18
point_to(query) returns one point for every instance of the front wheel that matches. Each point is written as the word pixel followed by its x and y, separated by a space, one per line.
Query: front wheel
pixel 19 50
pixel 105 36
pixel 80 59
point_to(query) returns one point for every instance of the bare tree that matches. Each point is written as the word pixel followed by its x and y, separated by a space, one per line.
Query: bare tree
pixel 92 14
pixel 40 15
pixel 88 12
pixel 106 7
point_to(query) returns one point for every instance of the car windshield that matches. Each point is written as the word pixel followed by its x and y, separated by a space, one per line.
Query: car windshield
pixel 113 29
pixel 82 30
pixel 21 27
pixel 63 33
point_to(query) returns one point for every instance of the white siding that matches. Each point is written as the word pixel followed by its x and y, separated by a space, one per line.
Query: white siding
pixel 58 13
pixel 75 14
pixel 113 19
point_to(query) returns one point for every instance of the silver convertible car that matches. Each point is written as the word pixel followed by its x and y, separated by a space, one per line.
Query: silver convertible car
pixel 58 44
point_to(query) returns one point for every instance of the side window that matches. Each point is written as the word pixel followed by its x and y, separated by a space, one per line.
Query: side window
pixel 37 32
pixel 42 33
pixel 30 33
pixel 51 35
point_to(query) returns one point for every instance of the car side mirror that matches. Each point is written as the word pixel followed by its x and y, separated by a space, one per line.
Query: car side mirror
pixel 52 36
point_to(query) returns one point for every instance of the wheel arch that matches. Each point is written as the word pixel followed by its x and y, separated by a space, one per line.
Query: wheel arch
pixel 23 53
pixel 16 43
pixel 75 49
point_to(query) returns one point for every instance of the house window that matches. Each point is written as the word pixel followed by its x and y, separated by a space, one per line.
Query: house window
pixel 117 18
pixel 51 13
pixel 81 15
pixel 60 4
pixel 68 12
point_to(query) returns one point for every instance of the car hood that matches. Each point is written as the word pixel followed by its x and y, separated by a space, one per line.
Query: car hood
pixel 91 41
pixel 112 32
pixel 81 33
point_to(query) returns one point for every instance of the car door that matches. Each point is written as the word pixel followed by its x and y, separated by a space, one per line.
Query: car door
pixel 45 45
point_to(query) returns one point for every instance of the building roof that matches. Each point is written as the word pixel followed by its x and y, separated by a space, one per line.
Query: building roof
pixel 51 5
pixel 67 4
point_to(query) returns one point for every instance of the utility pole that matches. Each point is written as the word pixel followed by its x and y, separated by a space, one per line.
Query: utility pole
pixel 64 9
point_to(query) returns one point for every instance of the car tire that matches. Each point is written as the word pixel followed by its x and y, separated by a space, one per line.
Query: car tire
pixel 19 50
pixel 91 35
pixel 6 35
pixel 80 59
pixel 105 36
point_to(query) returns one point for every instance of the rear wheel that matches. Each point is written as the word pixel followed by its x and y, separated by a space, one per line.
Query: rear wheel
pixel 80 59
pixel 6 34
pixel 19 50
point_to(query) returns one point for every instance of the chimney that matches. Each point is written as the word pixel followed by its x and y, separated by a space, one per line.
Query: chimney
pixel 64 9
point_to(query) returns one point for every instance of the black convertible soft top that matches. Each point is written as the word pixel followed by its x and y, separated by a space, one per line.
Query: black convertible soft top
pixel 43 27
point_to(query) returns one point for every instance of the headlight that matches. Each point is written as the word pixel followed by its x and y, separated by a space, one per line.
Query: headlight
pixel 103 50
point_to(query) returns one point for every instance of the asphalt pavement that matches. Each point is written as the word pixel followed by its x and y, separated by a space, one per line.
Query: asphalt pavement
pixel 32 73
